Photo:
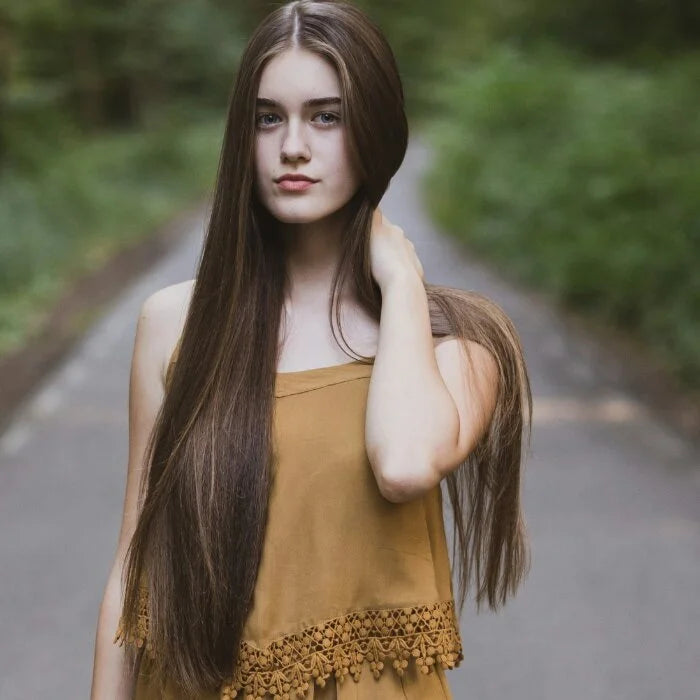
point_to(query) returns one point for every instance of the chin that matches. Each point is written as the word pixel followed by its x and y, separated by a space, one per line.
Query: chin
pixel 300 214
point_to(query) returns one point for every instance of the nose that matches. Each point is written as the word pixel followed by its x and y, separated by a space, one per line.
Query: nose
pixel 294 146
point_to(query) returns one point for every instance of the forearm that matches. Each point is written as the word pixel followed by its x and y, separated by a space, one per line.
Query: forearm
pixel 112 678
pixel 411 417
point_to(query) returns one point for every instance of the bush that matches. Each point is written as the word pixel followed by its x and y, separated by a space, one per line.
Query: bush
pixel 582 181
pixel 92 198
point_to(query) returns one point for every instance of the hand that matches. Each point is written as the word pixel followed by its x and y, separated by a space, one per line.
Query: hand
pixel 391 253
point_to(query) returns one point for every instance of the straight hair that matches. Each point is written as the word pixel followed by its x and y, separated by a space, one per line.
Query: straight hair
pixel 203 499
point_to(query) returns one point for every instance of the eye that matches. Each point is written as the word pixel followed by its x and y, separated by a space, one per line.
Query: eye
pixel 260 117
pixel 333 115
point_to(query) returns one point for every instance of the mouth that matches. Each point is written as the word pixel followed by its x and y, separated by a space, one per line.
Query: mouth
pixel 295 184
pixel 293 177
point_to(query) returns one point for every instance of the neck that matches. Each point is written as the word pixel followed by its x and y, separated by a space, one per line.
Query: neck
pixel 312 255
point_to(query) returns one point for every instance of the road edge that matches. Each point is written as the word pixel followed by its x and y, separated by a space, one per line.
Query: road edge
pixel 66 322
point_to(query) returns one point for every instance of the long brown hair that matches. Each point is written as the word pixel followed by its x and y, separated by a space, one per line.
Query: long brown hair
pixel 203 500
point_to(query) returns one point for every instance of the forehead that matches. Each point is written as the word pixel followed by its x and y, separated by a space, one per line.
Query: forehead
pixel 297 75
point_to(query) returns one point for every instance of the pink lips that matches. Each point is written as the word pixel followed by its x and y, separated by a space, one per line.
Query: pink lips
pixel 295 182
pixel 295 185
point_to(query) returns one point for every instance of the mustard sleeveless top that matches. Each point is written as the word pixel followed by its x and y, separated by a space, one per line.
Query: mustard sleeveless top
pixel 348 580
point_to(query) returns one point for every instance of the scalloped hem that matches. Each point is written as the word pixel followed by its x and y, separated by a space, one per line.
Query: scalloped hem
pixel 340 647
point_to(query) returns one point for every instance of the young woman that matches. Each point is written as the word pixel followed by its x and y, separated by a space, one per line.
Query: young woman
pixel 283 527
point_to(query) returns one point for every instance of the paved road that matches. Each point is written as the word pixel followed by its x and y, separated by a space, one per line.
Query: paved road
pixel 609 611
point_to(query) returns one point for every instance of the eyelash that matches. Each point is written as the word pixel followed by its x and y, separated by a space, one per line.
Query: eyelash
pixel 268 114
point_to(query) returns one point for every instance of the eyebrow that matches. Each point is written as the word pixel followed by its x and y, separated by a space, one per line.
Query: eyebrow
pixel 314 102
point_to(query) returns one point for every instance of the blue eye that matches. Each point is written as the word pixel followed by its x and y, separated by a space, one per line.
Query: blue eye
pixel 259 118
pixel 336 117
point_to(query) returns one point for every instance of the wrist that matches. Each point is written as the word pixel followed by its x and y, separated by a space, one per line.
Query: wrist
pixel 402 279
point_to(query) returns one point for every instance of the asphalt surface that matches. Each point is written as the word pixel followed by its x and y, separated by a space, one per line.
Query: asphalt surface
pixel 611 498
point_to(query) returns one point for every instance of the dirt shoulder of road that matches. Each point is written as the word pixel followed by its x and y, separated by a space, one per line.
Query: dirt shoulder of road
pixel 78 307
pixel 626 362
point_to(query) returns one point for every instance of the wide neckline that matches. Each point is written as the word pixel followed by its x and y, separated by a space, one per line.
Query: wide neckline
pixel 303 380
pixel 310 370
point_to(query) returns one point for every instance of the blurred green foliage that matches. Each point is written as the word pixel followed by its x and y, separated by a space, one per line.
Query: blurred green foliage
pixel 90 201
pixel 111 116
pixel 566 134
pixel 581 180
pixel 629 31
pixel 70 68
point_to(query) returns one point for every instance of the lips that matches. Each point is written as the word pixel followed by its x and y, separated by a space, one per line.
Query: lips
pixel 295 185
pixel 295 178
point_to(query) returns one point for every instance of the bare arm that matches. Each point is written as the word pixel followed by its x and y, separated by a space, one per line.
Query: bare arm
pixel 428 408
pixel 112 678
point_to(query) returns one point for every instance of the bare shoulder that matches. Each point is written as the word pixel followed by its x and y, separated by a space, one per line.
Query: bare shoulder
pixel 437 341
pixel 466 373
pixel 449 351
pixel 164 313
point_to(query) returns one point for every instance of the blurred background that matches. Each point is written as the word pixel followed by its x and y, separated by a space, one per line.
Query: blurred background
pixel 567 140
pixel 560 156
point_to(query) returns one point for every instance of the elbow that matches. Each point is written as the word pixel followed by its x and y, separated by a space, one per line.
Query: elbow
pixel 398 484
pixel 393 492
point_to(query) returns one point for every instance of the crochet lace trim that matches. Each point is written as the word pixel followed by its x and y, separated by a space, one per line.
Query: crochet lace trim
pixel 138 637
pixel 340 646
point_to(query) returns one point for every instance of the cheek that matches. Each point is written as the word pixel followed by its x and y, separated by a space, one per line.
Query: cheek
pixel 263 155
pixel 259 159
pixel 346 176
pixel 341 168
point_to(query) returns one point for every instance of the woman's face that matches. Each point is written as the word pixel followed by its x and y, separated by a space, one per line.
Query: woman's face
pixel 302 139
